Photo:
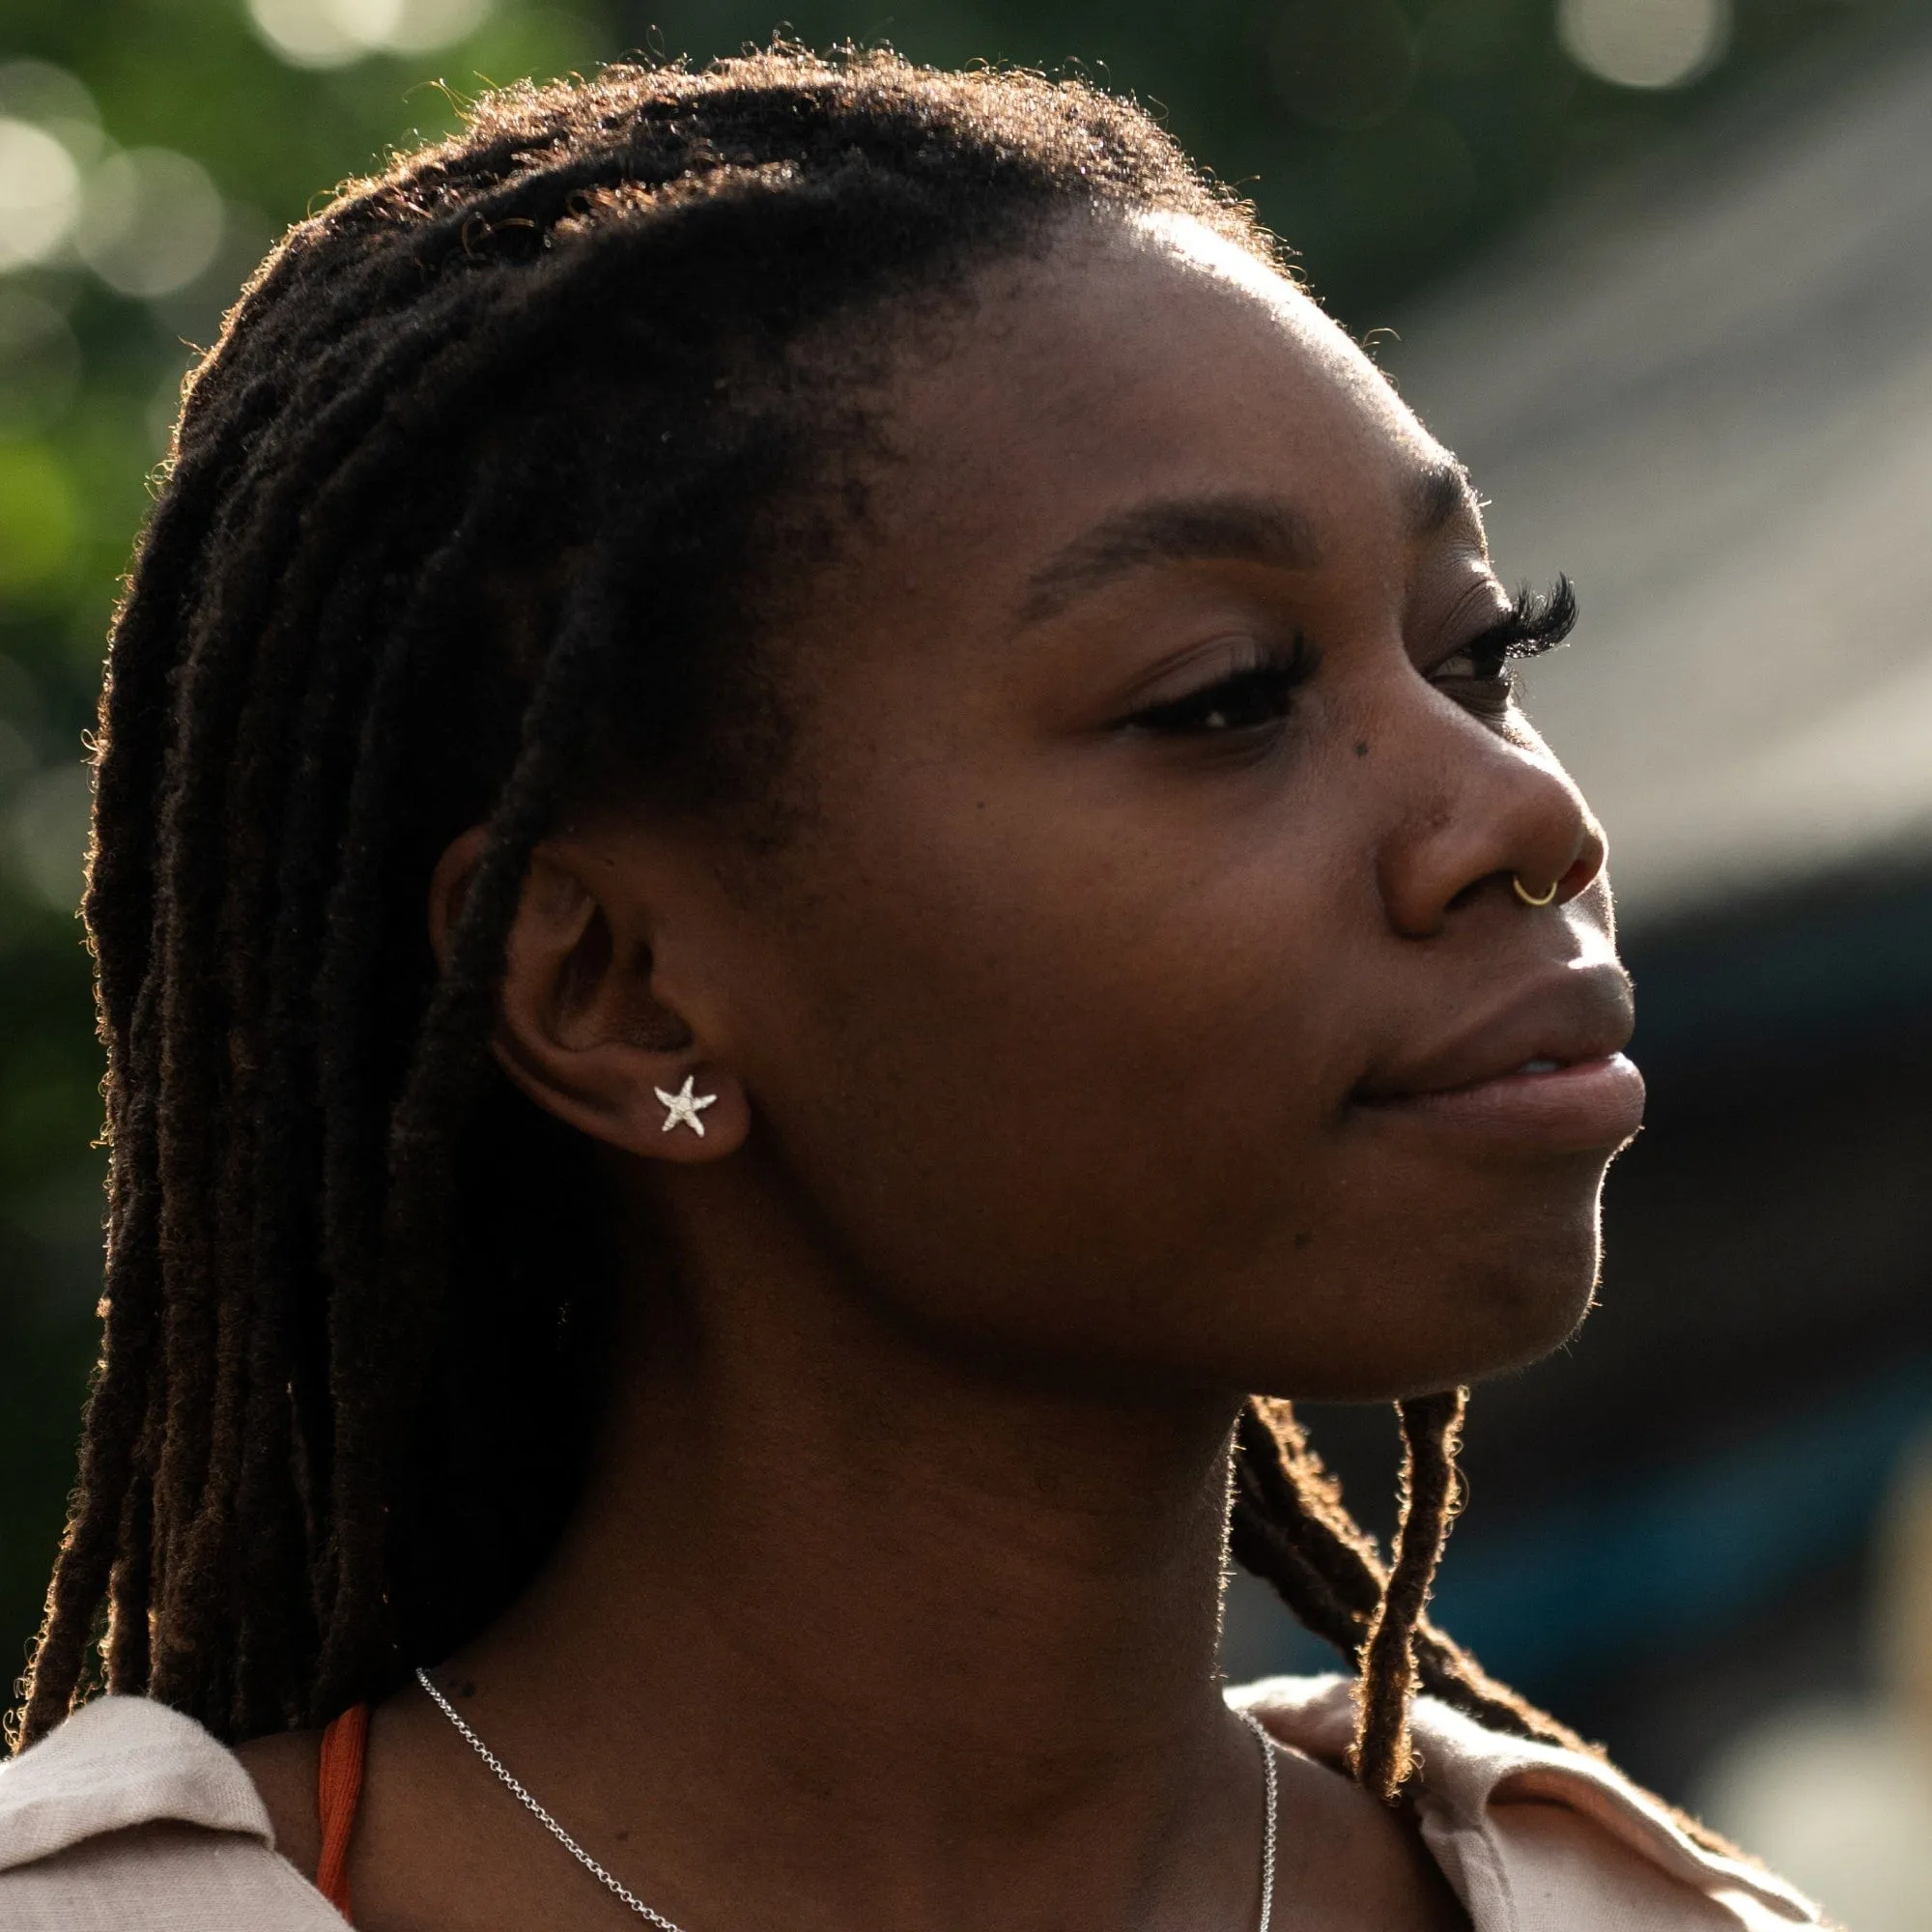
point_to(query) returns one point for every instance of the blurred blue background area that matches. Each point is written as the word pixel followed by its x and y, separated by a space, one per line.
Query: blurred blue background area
pixel 1661 272
pixel 1692 1550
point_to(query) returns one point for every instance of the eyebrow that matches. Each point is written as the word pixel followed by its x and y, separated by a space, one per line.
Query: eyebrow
pixel 1439 493
pixel 1217 530
pixel 1191 530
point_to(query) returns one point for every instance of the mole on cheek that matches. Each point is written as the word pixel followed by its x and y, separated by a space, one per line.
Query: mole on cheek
pixel 1362 749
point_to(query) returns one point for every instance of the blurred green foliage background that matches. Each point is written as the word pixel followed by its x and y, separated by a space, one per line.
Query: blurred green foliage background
pixel 152 149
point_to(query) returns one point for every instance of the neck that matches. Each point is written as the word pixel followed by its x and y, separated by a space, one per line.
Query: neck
pixel 954 1603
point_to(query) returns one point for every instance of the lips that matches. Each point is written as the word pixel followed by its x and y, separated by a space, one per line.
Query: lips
pixel 1562 1020
pixel 1545 1069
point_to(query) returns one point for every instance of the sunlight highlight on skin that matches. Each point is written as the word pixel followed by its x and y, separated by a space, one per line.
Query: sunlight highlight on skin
pixel 1184 240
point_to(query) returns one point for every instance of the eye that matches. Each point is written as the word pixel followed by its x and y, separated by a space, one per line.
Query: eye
pixel 1479 662
pixel 1478 674
pixel 1252 694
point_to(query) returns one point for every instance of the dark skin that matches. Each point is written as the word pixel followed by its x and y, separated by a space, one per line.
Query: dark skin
pixel 1074 1058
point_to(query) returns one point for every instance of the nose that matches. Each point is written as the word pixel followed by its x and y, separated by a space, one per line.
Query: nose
pixel 1489 817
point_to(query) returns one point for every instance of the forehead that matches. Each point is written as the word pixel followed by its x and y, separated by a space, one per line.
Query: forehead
pixel 1147 362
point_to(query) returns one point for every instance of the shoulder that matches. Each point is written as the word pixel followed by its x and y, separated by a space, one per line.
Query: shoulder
pixel 1536 1838
pixel 131 1813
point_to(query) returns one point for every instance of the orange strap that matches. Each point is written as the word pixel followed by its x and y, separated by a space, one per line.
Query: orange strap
pixel 338 1792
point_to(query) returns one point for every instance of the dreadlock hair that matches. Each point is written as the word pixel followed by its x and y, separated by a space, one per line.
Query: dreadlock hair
pixel 474 515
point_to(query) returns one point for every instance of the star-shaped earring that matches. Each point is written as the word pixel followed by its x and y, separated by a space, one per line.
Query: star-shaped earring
pixel 684 1106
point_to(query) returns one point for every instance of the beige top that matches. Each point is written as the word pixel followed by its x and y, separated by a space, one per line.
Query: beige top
pixel 131 1818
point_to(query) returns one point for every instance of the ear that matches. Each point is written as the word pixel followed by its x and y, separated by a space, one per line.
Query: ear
pixel 580 1024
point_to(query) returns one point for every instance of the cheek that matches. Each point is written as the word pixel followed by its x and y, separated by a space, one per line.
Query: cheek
pixel 1042 1076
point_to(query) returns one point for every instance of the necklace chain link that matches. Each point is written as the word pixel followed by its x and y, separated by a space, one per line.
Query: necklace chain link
pixel 1270 1774
pixel 620 1890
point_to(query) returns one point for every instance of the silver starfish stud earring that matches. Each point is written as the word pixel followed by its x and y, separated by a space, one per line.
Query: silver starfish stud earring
pixel 684 1106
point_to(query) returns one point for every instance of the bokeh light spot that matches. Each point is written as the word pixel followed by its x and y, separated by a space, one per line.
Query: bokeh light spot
pixel 333 33
pixel 1645 43
pixel 39 91
pixel 305 33
pixel 40 193
pixel 51 98
pixel 414 26
pixel 151 221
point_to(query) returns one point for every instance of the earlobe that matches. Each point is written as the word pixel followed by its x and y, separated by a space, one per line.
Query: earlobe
pixel 581 1028
pixel 642 1102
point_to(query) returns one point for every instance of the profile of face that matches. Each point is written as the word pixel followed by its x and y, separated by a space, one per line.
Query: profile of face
pixel 1140 990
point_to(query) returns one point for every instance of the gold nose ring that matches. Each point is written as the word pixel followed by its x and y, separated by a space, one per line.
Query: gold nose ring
pixel 1529 897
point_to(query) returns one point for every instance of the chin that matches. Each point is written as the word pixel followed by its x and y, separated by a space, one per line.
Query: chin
pixel 1475 1314
pixel 1513 1282
pixel 1512 1316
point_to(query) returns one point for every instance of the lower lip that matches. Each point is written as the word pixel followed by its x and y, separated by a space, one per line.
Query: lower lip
pixel 1589 1104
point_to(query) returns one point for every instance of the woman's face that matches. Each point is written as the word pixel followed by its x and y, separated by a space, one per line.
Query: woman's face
pixel 1141 989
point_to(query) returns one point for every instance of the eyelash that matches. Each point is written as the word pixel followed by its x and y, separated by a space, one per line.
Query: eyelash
pixel 1262 695
pixel 1254 697
pixel 1536 621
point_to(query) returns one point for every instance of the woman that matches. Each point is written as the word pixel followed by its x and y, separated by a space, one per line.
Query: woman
pixel 809 831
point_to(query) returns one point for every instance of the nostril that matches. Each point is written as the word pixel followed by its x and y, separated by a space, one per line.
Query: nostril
pixel 1580 878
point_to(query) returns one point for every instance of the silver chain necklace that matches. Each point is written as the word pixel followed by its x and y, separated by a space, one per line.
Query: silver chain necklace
pixel 619 1890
